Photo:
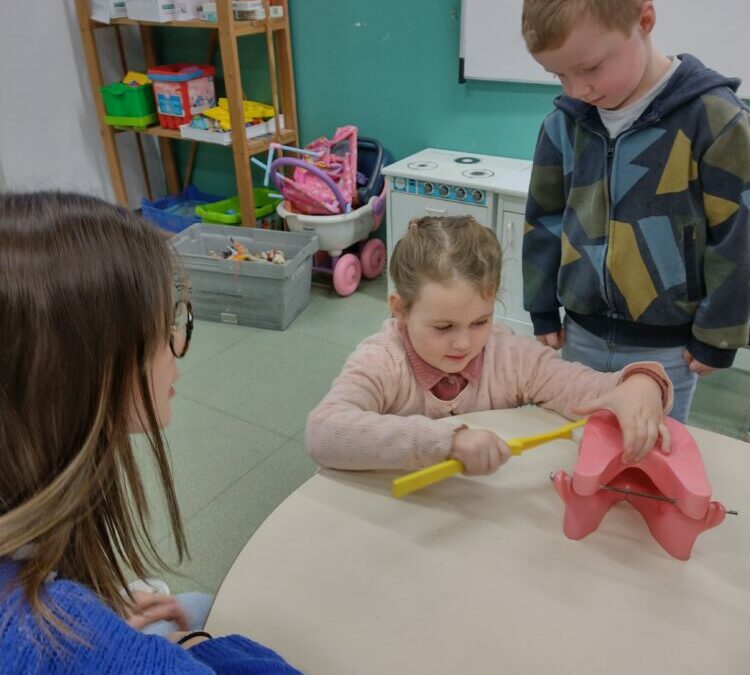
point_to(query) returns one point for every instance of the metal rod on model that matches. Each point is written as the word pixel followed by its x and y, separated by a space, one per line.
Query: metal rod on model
pixel 633 493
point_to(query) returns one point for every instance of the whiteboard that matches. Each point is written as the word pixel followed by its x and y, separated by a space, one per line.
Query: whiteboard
pixel 717 32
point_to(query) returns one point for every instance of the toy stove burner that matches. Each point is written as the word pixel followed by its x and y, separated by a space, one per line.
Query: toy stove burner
pixel 467 160
pixel 422 166
pixel 478 173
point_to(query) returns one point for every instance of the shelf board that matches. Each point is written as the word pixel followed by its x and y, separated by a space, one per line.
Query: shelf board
pixel 159 131
pixel 254 145
pixel 258 145
pixel 241 27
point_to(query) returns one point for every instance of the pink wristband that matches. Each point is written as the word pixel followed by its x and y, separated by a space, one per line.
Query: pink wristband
pixel 664 386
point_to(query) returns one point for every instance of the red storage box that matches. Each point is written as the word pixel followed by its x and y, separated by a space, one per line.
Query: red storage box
pixel 182 90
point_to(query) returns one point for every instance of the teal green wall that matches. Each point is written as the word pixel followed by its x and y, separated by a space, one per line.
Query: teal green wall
pixel 388 66
pixel 391 68
pixel 213 170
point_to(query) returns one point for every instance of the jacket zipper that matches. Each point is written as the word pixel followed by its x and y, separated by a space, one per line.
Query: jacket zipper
pixel 610 143
pixel 692 283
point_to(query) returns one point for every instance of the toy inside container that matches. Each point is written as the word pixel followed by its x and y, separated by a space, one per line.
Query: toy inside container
pixel 182 90
pixel 349 196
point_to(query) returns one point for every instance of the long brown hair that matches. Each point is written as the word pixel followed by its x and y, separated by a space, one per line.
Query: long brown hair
pixel 441 248
pixel 86 299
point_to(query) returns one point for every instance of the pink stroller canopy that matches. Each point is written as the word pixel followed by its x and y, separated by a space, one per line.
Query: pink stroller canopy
pixel 307 192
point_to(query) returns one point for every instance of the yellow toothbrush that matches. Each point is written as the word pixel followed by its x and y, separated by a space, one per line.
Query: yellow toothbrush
pixel 417 480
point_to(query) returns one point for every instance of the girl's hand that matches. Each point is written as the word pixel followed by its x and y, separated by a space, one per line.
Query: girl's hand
pixel 696 366
pixel 638 406
pixel 480 451
pixel 554 340
pixel 152 607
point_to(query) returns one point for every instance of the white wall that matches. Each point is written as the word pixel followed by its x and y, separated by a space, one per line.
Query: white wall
pixel 715 32
pixel 49 136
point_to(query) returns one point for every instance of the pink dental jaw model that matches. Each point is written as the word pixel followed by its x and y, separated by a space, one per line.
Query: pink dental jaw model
pixel 682 508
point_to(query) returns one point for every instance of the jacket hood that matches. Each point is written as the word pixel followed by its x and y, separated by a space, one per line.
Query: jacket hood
pixel 691 80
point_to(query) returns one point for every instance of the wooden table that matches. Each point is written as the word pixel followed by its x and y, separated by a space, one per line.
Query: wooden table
pixel 475 576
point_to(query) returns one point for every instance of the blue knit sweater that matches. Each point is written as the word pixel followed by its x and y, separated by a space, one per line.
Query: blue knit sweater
pixel 113 648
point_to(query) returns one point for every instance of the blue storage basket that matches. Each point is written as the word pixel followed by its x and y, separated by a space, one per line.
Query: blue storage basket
pixel 176 212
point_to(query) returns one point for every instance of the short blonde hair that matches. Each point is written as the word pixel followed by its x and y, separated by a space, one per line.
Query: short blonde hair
pixel 546 24
pixel 441 249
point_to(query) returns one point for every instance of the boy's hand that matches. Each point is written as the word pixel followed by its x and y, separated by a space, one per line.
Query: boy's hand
pixel 554 340
pixel 638 406
pixel 480 451
pixel 696 366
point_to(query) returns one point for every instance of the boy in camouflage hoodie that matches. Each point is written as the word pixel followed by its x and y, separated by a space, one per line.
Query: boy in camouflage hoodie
pixel 638 216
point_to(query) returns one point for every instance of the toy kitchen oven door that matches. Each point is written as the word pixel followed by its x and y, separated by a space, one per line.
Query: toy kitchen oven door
pixel 491 189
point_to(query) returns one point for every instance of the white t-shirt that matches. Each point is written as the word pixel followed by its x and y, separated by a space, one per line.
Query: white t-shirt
pixel 619 120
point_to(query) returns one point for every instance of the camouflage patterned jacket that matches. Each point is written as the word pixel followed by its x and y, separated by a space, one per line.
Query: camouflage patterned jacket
pixel 646 236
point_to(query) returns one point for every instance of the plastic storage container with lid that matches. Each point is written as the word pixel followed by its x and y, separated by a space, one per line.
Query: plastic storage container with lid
pixel 248 293
pixel 182 90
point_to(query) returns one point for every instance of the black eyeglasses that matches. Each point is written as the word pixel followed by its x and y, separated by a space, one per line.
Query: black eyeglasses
pixel 182 328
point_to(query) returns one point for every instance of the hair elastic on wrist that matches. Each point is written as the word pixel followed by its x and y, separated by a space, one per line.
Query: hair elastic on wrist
pixel 194 634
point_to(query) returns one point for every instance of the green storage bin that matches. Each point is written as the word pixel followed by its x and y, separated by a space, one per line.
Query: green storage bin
pixel 124 101
pixel 131 122
pixel 228 212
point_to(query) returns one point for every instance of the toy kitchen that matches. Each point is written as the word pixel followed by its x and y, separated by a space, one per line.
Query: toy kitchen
pixel 491 189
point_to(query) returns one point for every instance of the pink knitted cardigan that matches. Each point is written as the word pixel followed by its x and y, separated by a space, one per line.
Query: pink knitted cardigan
pixel 378 416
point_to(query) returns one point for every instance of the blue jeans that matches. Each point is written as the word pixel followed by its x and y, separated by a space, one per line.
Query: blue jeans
pixel 608 356
pixel 197 606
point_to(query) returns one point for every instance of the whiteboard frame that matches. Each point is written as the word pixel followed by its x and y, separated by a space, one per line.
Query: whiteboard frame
pixel 490 49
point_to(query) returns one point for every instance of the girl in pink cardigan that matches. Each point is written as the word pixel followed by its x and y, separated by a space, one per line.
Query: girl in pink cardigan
pixel 391 406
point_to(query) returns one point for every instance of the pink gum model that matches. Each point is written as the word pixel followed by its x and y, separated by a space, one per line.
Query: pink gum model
pixel 679 476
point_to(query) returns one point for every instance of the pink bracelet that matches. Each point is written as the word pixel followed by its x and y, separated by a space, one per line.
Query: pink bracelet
pixel 656 378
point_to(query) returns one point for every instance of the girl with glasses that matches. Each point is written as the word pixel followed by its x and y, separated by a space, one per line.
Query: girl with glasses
pixel 90 329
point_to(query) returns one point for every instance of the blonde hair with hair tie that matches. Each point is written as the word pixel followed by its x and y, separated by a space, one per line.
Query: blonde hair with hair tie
pixel 442 249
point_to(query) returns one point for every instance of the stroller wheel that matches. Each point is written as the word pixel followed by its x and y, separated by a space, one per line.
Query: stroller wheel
pixel 346 274
pixel 373 258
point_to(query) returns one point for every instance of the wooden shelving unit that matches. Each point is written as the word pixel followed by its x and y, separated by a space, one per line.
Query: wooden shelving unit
pixel 241 27
pixel 226 31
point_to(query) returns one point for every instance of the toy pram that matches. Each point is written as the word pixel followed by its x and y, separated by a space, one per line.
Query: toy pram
pixel 339 195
